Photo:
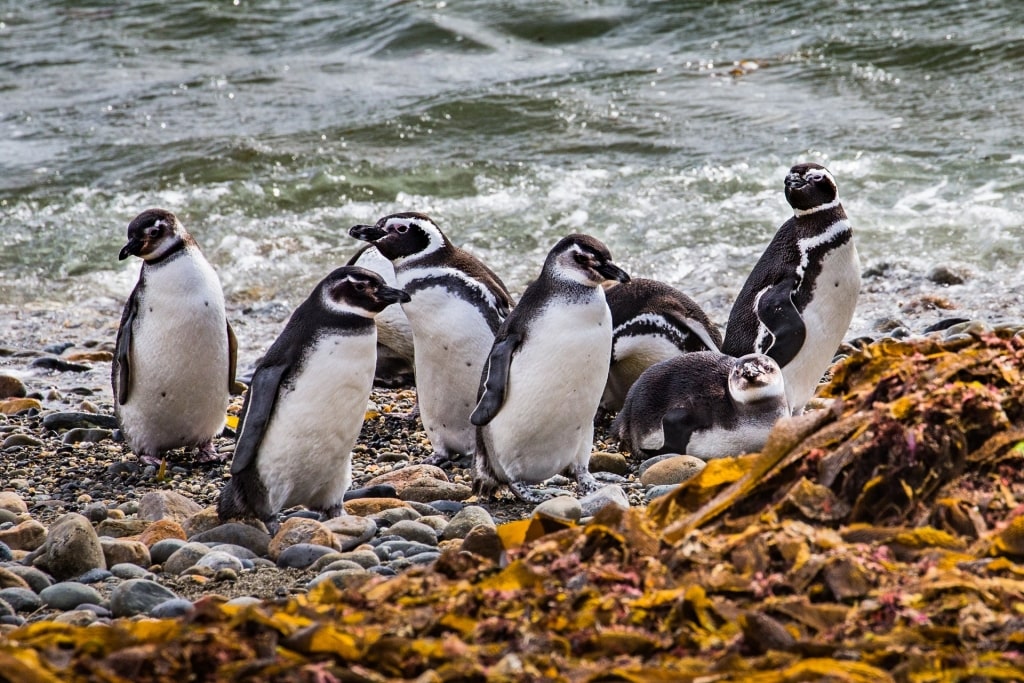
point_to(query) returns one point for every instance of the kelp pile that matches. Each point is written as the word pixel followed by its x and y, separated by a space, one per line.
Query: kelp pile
pixel 880 539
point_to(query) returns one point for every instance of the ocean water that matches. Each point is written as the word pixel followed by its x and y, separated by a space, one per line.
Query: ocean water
pixel 662 128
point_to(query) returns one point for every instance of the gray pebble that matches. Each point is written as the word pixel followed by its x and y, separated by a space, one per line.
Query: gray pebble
pixel 383 570
pixel 393 516
pixel 15 440
pixel 36 579
pixel 70 420
pixel 403 548
pixel 218 559
pixel 127 570
pixel 364 558
pixel 659 491
pixel 340 577
pixel 94 576
pixel 646 464
pixel 338 565
pixel 234 550
pixel 244 601
pixel 351 531
pixel 606 495
pixel 173 608
pixel 414 531
pixel 5 552
pixel 447 507
pixel 69 594
pixel 21 599
pixel 323 561
pixel 465 519
pixel 184 557
pixel 79 435
pixel 137 596
pixel 424 558
pixel 561 507
pixel 95 512
pixel 9 518
pixel 161 550
pixel 301 555
pixel 236 533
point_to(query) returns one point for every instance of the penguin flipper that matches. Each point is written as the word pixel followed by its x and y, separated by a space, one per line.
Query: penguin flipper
pixel 495 380
pixel 122 352
pixel 232 359
pixel 259 406
pixel 677 425
pixel 777 311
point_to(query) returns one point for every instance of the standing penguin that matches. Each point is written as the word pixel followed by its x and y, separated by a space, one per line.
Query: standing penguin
pixel 799 299
pixel 544 376
pixel 704 404
pixel 174 362
pixel 456 306
pixel 651 322
pixel 307 400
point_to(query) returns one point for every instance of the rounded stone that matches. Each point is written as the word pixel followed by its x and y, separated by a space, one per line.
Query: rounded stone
pixel 138 596
pixel 218 559
pixel 386 518
pixel 170 505
pixel 674 470
pixel 11 387
pixel 161 530
pixel 465 519
pixel 161 550
pixel 484 541
pixel 21 599
pixel 658 491
pixel 126 552
pixel 298 530
pixel 414 531
pixel 71 548
pixel 350 531
pixel 27 535
pixel 561 507
pixel 95 512
pixel 236 533
pixel 69 594
pixel 77 617
pixel 606 495
pixel 235 551
pixel 364 558
pixel 5 552
pixel 25 440
pixel 302 555
pixel 172 609
pixel 184 557
pixel 9 579
pixel 342 578
pixel 94 576
pixel 615 463
pixel 126 570
pixel 36 580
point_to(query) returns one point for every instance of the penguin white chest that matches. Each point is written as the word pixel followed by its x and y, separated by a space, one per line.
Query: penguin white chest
pixel 178 360
pixel 826 320
pixel 555 384
pixel 305 456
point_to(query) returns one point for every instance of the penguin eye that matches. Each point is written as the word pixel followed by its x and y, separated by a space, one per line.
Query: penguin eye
pixel 814 176
pixel 154 231
pixel 360 286
pixel 402 228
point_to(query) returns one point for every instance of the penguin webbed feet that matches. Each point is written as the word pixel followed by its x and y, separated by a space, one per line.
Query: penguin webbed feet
pixel 586 481
pixel 533 496
pixel 207 453
pixel 332 512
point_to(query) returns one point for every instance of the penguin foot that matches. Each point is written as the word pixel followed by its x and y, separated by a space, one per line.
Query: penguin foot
pixel 585 480
pixel 147 459
pixel 528 495
pixel 410 416
pixel 437 459
pixel 207 453
pixel 332 512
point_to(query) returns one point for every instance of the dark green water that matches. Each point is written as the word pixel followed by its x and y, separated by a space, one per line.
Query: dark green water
pixel 663 128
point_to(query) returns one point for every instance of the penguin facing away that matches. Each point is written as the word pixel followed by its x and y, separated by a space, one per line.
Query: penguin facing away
pixel 651 322
pixel 704 404
pixel 456 306
pixel 174 362
pixel 543 380
pixel 798 301
pixel 307 400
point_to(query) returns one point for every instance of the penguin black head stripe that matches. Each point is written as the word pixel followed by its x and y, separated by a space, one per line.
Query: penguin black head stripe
pixel 810 188
pixel 153 235
pixel 402 235
pixel 352 289
pixel 584 260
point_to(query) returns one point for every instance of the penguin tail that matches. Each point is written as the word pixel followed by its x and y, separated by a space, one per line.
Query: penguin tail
pixel 244 497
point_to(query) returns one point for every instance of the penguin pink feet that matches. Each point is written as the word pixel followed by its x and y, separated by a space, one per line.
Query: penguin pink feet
pixel 207 453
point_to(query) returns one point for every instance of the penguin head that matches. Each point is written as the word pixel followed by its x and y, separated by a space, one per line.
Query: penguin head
pixel 585 260
pixel 352 289
pixel 756 377
pixel 810 188
pixel 402 235
pixel 153 234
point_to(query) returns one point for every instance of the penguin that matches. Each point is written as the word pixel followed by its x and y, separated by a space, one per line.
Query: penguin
pixel 545 373
pixel 175 354
pixel 705 404
pixel 456 306
pixel 395 355
pixel 800 297
pixel 651 322
pixel 306 403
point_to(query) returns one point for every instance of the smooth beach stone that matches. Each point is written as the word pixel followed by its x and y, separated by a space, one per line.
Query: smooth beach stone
pixel 364 558
pixel 386 518
pixel 414 531
pixel 27 535
pixel 426 490
pixel 71 548
pixel 324 560
pixel 76 617
pixel 161 550
pixel 94 576
pixel 606 495
pixel 58 365
pixel 126 552
pixel 614 463
pixel 342 578
pixel 17 406
pixel 79 435
pixel 403 548
pixel 302 555
pixel 404 477
pixel 5 552
pixel 244 601
pixel 658 491
pixel 299 530
pixel 424 558
pixel 339 565
pixel 172 609
pixel 207 519
pixel 350 531
pixel 161 530
pixel 119 528
pixel 8 517
pixel 58 422
pixel 138 596
pixel 127 570
pixel 217 560
pixel 69 594
pixel 484 541
pixel 561 507
pixel 465 519
pixel 447 507
pixel 674 470
pixel 36 579
pixel 26 440
pixel 654 460
pixel 378 491
pixel 236 551
pixel 95 512
pixel 21 599
pixel 363 507
pixel 12 387
pixel 236 533
pixel 436 522
pixel 383 570
pixel 9 579
pixel 185 557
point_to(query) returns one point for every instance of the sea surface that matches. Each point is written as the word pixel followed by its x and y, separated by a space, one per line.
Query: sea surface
pixel 663 128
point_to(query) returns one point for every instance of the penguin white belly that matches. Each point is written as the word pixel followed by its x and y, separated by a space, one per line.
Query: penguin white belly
pixel 179 360
pixel 305 457
pixel 631 357
pixel 826 321
pixel 452 342
pixel 554 387
pixel 748 437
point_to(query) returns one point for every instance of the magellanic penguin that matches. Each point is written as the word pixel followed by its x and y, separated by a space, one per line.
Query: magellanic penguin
pixel 704 404
pixel 798 301
pixel 395 357
pixel 174 362
pixel 456 306
pixel 651 322
pixel 307 400
pixel 544 376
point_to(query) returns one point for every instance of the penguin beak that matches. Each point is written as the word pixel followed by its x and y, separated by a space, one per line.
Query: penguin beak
pixel 612 272
pixel 367 233
pixel 794 181
pixel 390 295
pixel 133 248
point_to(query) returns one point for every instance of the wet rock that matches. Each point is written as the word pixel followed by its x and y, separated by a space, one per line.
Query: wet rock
pixel 351 532
pixel 58 365
pixel 465 519
pixel 9 500
pixel 302 555
pixel 674 470
pixel 35 579
pixel 561 507
pixel 126 571
pixel 659 491
pixel 69 594
pixel 11 387
pixel 71 548
pixel 606 495
pixel 122 552
pixel 609 462
pixel 236 533
pixel 138 596
pixel 167 505
pixel 299 530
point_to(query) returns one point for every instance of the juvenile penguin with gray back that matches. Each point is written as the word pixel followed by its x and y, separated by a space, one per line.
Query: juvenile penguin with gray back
pixel 456 306
pixel 651 322
pixel 799 299
pixel 545 373
pixel 174 362
pixel 307 400
pixel 704 404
